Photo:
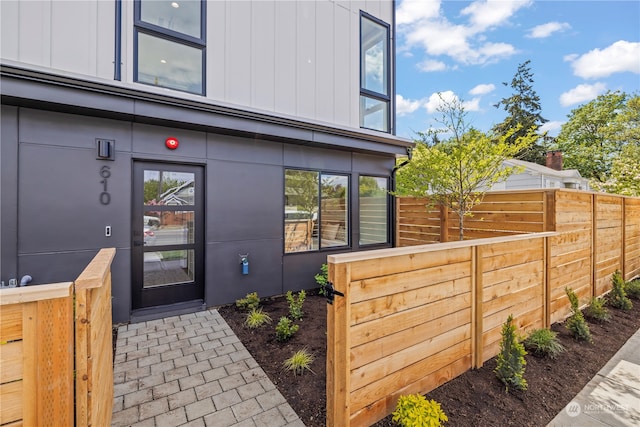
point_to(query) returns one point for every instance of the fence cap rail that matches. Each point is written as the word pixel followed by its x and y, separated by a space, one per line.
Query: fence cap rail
pixel 96 271
pixel 431 247
pixel 33 293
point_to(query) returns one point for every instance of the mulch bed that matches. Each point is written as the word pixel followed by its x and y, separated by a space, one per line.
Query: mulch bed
pixel 476 397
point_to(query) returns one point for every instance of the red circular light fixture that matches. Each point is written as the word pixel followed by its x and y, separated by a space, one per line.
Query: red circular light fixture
pixel 172 143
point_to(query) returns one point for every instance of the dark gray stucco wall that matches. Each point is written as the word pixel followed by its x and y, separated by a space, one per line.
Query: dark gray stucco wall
pixel 8 194
pixel 53 222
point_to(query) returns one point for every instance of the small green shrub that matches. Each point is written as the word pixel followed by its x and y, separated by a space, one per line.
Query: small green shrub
pixel 633 289
pixel 295 304
pixel 596 310
pixel 322 279
pixel 618 296
pixel 249 302
pixel 285 329
pixel 300 361
pixel 510 361
pixel 576 323
pixel 414 410
pixel 543 343
pixel 257 318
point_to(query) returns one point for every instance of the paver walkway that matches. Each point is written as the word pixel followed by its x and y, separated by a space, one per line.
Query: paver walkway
pixel 192 370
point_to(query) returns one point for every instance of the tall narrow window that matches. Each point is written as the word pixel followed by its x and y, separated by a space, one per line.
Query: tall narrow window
pixel 375 80
pixel 316 210
pixel 170 44
pixel 374 210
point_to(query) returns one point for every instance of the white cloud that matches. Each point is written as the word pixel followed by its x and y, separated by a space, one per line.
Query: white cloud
pixel 436 100
pixel 432 65
pixel 406 106
pixel 485 14
pixel 422 24
pixel 551 126
pixel 483 89
pixel 545 30
pixel 622 56
pixel 472 105
pixel 411 11
pixel 582 93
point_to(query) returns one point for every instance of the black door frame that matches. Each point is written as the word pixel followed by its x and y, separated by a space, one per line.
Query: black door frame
pixel 177 292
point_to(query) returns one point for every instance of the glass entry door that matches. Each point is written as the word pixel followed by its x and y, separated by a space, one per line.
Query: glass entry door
pixel 168 234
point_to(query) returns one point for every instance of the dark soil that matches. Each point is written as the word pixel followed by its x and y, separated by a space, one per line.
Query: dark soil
pixel 475 398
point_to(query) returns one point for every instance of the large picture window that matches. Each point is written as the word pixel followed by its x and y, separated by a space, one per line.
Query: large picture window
pixel 316 210
pixel 373 193
pixel 375 86
pixel 170 44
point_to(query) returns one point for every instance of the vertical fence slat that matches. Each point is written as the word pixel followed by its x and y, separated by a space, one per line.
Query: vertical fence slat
pixel 338 364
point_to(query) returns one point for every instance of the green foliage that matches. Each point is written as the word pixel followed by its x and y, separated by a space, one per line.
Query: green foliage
pixel 597 311
pixel 633 289
pixel 249 302
pixel 414 410
pixel 618 296
pixel 625 175
pixel 596 132
pixel 285 329
pixel 295 304
pixel 300 361
pixel 510 361
pixel 576 323
pixel 523 112
pixel 257 318
pixel 322 279
pixel 543 343
pixel 458 171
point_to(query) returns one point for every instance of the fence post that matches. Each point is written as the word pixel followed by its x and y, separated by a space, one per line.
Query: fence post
pixel 338 348
pixel 444 223
pixel 623 263
pixel 476 306
pixel 594 242
pixel 546 323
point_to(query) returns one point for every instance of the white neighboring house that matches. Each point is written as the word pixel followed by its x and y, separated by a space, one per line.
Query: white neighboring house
pixel 534 175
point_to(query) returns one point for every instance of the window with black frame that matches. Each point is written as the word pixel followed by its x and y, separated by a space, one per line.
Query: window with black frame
pixel 316 210
pixel 170 44
pixel 373 193
pixel 375 83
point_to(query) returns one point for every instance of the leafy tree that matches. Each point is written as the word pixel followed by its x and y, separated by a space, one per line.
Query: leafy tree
pixel 458 171
pixel 596 133
pixel 625 173
pixel 523 109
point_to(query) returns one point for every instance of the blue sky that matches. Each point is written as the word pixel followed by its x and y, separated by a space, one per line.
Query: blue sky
pixel 467 49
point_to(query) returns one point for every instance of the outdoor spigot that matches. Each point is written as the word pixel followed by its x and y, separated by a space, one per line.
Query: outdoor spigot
pixel 244 263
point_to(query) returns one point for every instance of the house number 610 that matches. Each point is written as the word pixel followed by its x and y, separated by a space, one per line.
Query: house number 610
pixel 105 173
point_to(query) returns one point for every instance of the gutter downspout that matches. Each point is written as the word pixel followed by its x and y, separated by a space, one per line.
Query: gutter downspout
pixel 117 62
pixel 393 189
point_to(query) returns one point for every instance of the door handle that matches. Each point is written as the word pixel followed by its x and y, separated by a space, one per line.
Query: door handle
pixel 138 243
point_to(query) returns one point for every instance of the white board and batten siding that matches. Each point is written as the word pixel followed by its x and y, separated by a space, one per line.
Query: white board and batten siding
pixel 293 58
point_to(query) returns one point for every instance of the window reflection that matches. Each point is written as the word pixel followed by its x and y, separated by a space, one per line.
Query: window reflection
pixel 374 114
pixel 300 210
pixel 333 213
pixel 374 210
pixel 168 188
pixel 316 211
pixel 163 268
pixel 182 16
pixel 168 64
pixel 374 57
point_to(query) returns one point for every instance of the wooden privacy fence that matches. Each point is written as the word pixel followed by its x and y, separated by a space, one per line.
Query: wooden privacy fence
pixel 37 352
pixel 606 224
pixel 412 318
